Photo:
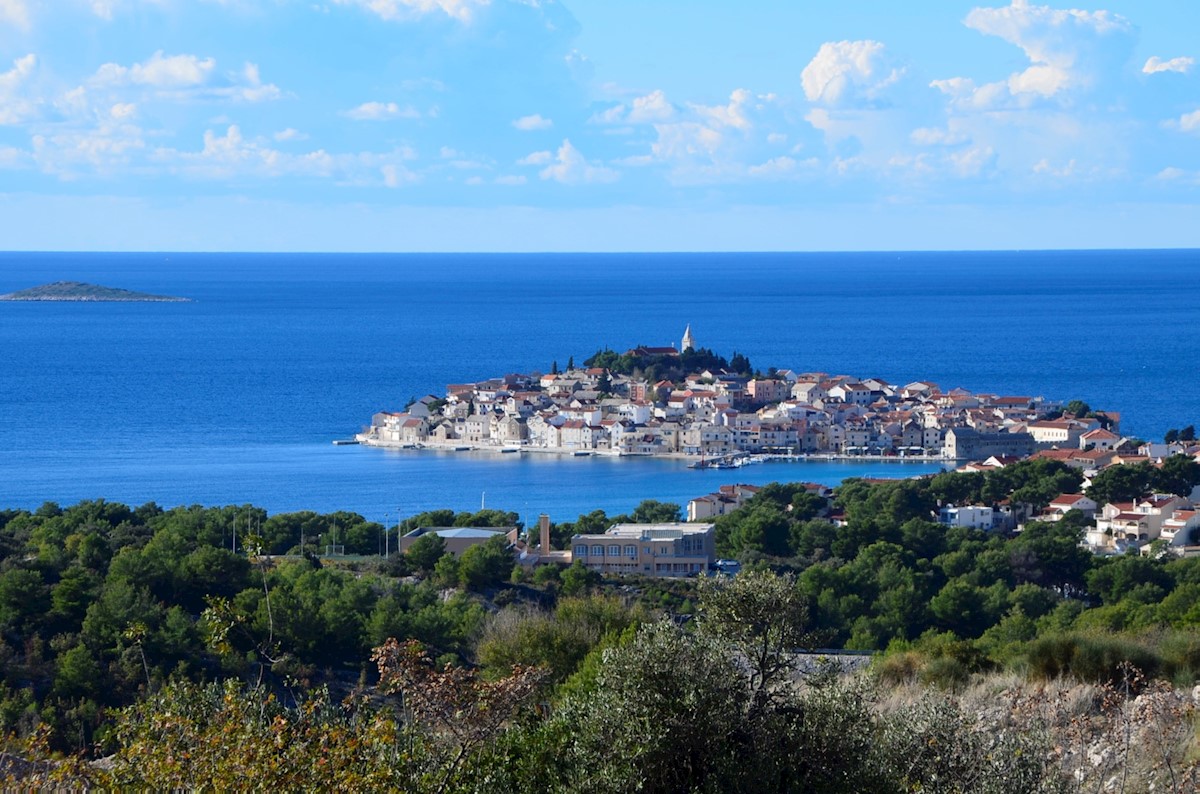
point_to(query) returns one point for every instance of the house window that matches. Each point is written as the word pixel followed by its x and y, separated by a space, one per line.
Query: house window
pixel 581 551
pixel 598 551
pixel 614 551
pixel 631 551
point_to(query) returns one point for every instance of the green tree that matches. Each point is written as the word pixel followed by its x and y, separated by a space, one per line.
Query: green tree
pixel 664 715
pixel 763 619
pixel 1121 483
pixel 577 579
pixel 654 512
pixel 426 550
pixel 1078 408
pixel 486 564
pixel 1178 474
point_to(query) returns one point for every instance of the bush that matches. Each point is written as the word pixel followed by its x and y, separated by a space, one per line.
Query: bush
pixel 1089 658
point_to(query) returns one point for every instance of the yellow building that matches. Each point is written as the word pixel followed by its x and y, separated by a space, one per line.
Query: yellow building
pixel 648 549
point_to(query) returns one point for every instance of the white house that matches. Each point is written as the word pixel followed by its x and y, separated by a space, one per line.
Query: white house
pixel 973 516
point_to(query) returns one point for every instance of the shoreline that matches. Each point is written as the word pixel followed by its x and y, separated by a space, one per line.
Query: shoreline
pixel 753 459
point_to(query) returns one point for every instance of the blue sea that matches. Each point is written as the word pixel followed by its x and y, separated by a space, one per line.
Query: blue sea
pixel 235 397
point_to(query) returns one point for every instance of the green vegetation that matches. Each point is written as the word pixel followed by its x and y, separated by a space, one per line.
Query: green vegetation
pixel 649 705
pixel 668 367
pixel 140 633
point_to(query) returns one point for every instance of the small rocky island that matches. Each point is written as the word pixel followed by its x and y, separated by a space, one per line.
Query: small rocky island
pixel 79 291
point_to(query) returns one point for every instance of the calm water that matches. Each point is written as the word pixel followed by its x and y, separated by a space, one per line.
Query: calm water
pixel 235 397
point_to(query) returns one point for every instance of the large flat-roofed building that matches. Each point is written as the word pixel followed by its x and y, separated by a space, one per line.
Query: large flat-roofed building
pixel 458 539
pixel 648 549
pixel 964 443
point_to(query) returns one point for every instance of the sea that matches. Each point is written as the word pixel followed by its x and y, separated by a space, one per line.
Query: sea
pixel 236 396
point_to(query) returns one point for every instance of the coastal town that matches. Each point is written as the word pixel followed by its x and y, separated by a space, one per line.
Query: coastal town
pixel 727 418
pixel 723 418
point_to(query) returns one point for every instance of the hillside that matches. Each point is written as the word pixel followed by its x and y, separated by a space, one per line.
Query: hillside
pixel 79 291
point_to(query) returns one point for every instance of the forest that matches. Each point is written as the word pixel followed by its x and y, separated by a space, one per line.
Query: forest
pixel 140 636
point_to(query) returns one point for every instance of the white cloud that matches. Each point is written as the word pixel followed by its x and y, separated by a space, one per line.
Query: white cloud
pixel 510 179
pixel 160 71
pixel 572 168
pixel 707 132
pixel 255 90
pixel 649 109
pixel 536 158
pixel 1044 167
pixel 231 154
pixel 396 175
pixel 972 162
pixel 290 134
pixel 1067 50
pixel 106 149
pixel 731 115
pixel 14 107
pixel 1190 122
pixel 12 158
pixel 462 10
pixel 531 123
pixel 186 77
pixel 1182 65
pixel 783 168
pixel 381 111
pixel 15 13
pixel 845 72
pixel 933 136
pixel 123 110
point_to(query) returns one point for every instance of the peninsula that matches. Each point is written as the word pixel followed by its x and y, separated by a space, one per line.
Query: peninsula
pixel 690 402
pixel 79 291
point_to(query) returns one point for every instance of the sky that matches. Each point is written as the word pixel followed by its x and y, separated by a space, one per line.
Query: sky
pixel 598 125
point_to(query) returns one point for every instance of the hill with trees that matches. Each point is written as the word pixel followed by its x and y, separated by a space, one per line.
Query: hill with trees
pixel 142 635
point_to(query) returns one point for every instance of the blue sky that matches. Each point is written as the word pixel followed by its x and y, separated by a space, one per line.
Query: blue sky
pixel 529 125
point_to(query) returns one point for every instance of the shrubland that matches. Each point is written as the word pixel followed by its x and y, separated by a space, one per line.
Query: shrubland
pixel 139 636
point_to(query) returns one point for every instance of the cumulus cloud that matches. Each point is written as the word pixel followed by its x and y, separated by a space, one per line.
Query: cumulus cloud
pixel 108 148
pixel 14 107
pixel 1189 122
pixel 15 13
pixel 228 154
pixel 708 143
pixel 396 175
pixel 702 136
pixel 570 167
pixel 648 109
pixel 290 134
pixel 845 72
pixel 186 76
pixel 160 71
pixel 381 111
pixel 536 158
pixel 12 158
pixel 1181 65
pixel 733 114
pixel 531 123
pixel 462 10
pixel 933 136
pixel 1068 50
